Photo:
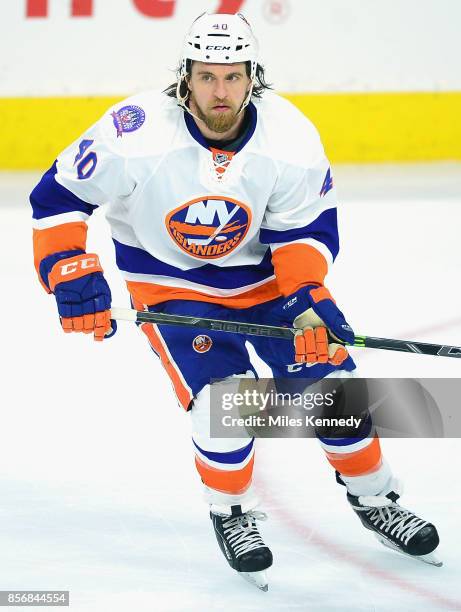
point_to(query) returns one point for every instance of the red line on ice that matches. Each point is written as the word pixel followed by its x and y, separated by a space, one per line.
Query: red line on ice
pixel 341 553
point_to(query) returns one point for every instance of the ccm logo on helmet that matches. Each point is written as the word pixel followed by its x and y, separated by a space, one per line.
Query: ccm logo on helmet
pixel 83 264
pixel 217 48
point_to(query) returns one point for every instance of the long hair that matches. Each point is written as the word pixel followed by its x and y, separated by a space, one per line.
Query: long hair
pixel 260 81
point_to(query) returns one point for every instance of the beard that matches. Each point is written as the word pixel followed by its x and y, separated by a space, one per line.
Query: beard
pixel 219 122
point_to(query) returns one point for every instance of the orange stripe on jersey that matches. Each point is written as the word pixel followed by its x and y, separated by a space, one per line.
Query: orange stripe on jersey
pixel 183 394
pixel 150 293
pixel 297 265
pixel 64 237
pixel 234 482
pixel 360 462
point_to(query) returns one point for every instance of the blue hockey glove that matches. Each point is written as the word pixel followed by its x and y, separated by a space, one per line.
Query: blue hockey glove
pixel 82 294
pixel 313 312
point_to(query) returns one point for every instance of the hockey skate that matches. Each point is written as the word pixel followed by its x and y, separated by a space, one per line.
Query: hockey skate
pixel 242 545
pixel 396 527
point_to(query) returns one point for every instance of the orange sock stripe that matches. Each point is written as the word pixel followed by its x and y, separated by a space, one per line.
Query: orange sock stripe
pixel 360 462
pixel 183 393
pixel 297 265
pixel 234 482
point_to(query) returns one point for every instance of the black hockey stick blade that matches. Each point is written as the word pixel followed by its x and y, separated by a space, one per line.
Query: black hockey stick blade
pixel 408 346
pixel 271 331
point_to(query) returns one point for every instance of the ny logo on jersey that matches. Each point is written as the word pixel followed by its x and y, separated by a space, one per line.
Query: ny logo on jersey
pixel 209 227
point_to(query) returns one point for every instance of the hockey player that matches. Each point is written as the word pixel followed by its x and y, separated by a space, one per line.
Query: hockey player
pixel 221 204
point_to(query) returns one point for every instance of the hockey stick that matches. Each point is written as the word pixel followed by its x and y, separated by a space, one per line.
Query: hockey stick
pixel 270 331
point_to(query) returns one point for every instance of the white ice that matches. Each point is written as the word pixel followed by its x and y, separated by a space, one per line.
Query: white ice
pixel 98 490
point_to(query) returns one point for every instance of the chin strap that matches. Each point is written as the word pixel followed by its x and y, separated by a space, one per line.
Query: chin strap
pixel 247 99
pixel 183 99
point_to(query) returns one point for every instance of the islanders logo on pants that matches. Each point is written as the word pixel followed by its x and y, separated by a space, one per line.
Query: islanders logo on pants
pixel 202 344
pixel 209 227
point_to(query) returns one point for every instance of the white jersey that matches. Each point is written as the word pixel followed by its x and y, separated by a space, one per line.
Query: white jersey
pixel 189 221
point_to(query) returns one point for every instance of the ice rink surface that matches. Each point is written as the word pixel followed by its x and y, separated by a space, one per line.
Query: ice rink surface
pixel 98 490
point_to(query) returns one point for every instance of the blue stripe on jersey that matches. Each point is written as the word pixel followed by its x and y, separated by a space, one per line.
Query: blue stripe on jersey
pixel 50 198
pixel 231 457
pixel 324 229
pixel 137 261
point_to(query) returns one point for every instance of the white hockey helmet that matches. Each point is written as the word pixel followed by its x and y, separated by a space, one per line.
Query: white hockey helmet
pixel 219 38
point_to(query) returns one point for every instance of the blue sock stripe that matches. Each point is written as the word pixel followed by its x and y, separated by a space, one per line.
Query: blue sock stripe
pixel 349 441
pixel 231 457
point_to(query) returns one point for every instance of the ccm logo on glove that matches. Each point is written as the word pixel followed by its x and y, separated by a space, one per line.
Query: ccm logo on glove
pixel 82 294
pixel 84 264
pixel 81 265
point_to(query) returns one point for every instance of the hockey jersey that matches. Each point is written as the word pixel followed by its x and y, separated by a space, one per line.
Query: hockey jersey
pixel 193 222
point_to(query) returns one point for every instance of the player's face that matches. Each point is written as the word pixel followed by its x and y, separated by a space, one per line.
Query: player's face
pixel 217 93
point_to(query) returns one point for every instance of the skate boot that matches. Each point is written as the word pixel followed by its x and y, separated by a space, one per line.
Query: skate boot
pixel 242 544
pixel 396 527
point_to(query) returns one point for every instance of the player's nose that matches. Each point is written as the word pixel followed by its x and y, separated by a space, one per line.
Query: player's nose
pixel 220 90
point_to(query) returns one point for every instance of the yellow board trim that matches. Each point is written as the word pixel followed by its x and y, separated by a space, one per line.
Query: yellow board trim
pixel 375 127
pixel 385 127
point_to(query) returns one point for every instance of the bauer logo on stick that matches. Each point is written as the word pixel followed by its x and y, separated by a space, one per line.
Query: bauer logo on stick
pixel 209 227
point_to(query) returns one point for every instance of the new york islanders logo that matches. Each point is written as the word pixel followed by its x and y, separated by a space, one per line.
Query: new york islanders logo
pixel 202 344
pixel 209 227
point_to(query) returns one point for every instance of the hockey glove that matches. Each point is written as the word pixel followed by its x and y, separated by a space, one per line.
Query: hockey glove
pixel 319 321
pixel 81 291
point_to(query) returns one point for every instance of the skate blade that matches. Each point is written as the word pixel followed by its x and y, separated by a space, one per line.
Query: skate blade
pixel 258 579
pixel 430 558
